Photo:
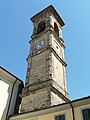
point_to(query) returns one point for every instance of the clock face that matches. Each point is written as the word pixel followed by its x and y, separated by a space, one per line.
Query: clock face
pixel 40 44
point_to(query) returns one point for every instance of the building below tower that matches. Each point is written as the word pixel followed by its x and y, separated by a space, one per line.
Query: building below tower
pixel 10 89
pixel 74 110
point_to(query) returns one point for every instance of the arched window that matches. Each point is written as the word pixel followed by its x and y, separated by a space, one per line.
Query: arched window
pixel 41 26
pixel 56 29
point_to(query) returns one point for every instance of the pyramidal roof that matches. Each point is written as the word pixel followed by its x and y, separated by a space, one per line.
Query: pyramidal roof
pixel 53 11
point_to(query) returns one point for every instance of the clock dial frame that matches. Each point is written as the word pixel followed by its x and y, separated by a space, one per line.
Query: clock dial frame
pixel 40 44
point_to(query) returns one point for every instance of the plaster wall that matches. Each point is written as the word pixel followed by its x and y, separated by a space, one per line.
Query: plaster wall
pixel 78 111
pixel 5 92
pixel 8 96
pixel 68 115
pixel 13 101
pixel 43 116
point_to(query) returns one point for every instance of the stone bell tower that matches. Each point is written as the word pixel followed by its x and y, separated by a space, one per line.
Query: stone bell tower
pixel 46 78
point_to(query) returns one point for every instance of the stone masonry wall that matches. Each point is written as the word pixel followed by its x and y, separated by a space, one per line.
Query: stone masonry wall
pixel 37 100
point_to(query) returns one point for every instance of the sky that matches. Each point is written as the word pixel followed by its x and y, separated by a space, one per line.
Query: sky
pixel 16 30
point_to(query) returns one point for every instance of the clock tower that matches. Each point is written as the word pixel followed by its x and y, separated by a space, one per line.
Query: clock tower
pixel 46 78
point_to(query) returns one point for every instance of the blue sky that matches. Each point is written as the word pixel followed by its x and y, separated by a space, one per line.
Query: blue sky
pixel 16 29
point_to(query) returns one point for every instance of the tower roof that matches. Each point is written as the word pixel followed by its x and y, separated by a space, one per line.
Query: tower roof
pixel 52 9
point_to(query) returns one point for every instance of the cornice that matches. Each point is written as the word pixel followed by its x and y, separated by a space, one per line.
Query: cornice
pixel 51 30
pixel 52 109
pixel 51 50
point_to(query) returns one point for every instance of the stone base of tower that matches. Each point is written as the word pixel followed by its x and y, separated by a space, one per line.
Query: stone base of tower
pixel 40 99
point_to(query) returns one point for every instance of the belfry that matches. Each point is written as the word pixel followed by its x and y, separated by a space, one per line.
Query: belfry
pixel 46 78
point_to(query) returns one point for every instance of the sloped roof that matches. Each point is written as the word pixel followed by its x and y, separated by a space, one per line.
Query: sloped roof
pixel 11 74
pixel 55 108
pixel 55 13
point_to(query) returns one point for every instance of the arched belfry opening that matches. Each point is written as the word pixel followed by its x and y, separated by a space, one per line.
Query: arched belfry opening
pixel 41 26
pixel 56 29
